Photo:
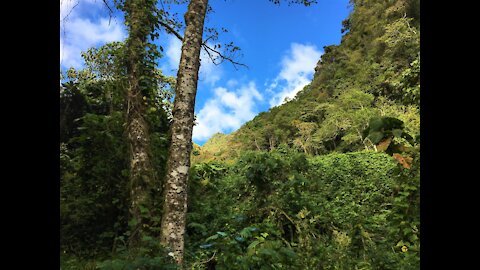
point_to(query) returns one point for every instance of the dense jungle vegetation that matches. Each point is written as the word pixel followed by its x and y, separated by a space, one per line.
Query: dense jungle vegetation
pixel 328 180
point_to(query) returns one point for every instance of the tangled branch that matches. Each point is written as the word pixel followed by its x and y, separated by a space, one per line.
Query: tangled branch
pixel 212 53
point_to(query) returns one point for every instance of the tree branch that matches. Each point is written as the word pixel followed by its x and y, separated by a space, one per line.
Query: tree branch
pixel 110 11
pixel 109 8
pixel 171 30
pixel 209 50
pixel 66 16
pixel 211 258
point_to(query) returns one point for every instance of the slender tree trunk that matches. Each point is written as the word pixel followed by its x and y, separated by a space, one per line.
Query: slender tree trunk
pixel 175 190
pixel 304 147
pixel 142 173
pixel 362 140
pixel 256 144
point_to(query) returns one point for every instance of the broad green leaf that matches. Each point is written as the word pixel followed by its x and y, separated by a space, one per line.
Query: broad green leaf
pixel 253 244
pixel 222 234
pixel 213 237
pixel 376 136
pixel 397 133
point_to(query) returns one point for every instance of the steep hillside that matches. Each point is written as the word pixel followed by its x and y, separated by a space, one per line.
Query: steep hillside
pixel 329 180
pixel 285 210
pixel 374 72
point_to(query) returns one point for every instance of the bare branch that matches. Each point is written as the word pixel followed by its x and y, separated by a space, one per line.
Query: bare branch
pixel 109 8
pixel 207 39
pixel 171 30
pixel 223 57
pixel 211 258
pixel 209 50
pixel 211 57
pixel 64 21
pixel 110 11
pixel 66 16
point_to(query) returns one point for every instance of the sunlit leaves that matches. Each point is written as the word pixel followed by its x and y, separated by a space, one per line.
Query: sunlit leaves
pixel 334 211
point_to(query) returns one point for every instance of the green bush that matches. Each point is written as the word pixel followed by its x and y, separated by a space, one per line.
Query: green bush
pixel 279 210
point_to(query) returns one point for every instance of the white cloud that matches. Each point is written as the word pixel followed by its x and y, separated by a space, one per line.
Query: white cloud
pixel 173 53
pixel 297 71
pixel 226 110
pixel 209 72
pixel 66 6
pixel 79 33
pixel 232 83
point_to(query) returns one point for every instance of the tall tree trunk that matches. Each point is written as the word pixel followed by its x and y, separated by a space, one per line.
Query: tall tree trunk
pixel 271 141
pixel 142 173
pixel 256 144
pixel 175 190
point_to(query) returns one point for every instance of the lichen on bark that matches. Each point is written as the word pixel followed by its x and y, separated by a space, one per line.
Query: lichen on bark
pixel 142 173
pixel 175 190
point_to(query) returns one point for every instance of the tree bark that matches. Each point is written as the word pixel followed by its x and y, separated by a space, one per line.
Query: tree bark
pixel 176 180
pixel 142 173
pixel 256 144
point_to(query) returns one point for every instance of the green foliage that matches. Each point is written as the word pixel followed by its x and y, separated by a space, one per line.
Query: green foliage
pixel 298 187
pixel 280 210
pixel 248 248
pixel 94 155
pixel 409 114
pixel 404 222
pixel 408 83
pixel 344 120
pixel 357 210
pixel 382 131
pixel 373 72
pixel 380 128
pixel 148 257
pixel 203 172
pixel 93 184
pixel 105 62
pixel 151 256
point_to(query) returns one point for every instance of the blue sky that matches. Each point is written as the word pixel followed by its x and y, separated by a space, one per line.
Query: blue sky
pixel 280 44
